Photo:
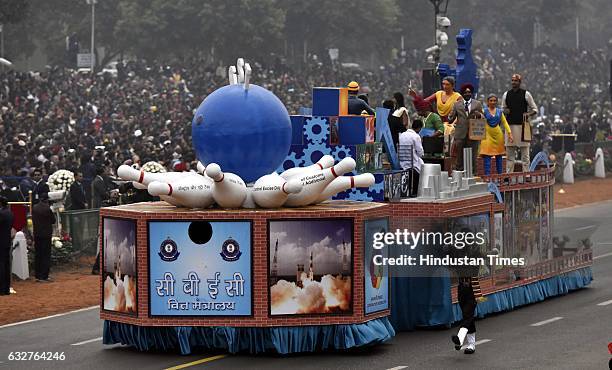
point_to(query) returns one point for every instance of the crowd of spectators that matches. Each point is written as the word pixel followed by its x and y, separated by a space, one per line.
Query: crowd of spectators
pixel 65 119
pixel 571 88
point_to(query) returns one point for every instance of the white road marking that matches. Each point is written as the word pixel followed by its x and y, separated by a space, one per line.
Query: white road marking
pixel 604 243
pixel 482 341
pixel 547 321
pixel 586 205
pixel 586 227
pixel 605 303
pixel 87 341
pixel 603 255
pixel 397 368
pixel 49 317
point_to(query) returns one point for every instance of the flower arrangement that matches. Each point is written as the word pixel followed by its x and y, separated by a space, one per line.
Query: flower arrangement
pixel 153 167
pixel 60 180
pixel 61 249
pixel 56 242
pixel 583 166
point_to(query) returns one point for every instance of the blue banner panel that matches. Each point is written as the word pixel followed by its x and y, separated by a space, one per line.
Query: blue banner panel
pixel 200 268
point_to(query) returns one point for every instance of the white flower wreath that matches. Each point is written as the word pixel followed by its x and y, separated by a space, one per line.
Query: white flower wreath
pixel 60 180
pixel 153 167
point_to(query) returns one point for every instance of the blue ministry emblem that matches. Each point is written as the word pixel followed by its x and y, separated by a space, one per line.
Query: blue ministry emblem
pixel 230 250
pixel 168 250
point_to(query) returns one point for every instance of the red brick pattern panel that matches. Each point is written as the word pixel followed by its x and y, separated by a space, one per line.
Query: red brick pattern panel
pixel 431 215
pixel 411 215
pixel 143 212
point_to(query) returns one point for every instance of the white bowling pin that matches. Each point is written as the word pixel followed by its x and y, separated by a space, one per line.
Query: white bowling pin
pixel 190 193
pixel 247 75
pixel 342 183
pixel 145 178
pixel 248 200
pixel 229 191
pixel 325 162
pixel 200 167
pixel 315 182
pixel 271 191
pixel 240 70
pixel 231 75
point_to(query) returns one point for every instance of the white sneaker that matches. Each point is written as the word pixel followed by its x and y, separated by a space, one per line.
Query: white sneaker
pixel 471 344
pixel 459 338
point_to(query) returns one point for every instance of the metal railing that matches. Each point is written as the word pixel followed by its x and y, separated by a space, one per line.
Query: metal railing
pixel 512 277
pixel 515 180
pixel 83 228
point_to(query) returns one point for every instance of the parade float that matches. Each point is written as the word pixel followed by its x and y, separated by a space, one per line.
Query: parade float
pixel 238 256
pixel 268 248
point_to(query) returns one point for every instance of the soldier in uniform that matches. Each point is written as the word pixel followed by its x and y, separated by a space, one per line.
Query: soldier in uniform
pixel 468 294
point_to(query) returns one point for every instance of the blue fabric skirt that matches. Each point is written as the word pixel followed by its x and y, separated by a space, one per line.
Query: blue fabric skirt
pixel 281 340
pixel 510 299
pixel 426 301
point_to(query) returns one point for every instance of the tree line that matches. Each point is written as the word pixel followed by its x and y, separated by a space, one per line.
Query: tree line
pixel 223 29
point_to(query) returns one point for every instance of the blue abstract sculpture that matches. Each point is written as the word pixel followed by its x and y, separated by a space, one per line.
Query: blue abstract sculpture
pixel 467 70
pixel 246 131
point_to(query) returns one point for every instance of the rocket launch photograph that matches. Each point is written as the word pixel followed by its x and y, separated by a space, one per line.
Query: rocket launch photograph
pixel 310 267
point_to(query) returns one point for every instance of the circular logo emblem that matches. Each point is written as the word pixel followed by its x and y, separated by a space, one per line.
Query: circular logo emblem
pixel 230 250
pixel 168 250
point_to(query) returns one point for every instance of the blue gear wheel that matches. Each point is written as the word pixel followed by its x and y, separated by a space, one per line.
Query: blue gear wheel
pixel 292 157
pixel 309 125
pixel 339 152
pixel 359 195
pixel 309 151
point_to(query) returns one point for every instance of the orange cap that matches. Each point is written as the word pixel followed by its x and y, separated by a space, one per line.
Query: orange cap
pixel 353 86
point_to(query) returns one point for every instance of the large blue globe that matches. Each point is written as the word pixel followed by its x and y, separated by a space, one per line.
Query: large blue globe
pixel 245 131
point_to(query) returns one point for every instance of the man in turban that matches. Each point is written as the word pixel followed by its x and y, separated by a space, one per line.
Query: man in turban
pixel 461 113
pixel 431 120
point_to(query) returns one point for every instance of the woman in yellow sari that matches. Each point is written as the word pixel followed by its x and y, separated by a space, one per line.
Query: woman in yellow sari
pixel 493 144
pixel 445 98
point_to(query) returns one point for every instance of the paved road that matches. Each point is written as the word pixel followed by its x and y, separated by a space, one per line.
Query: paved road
pixel 571 332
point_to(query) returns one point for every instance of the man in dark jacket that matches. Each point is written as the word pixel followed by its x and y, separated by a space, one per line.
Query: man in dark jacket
pixel 6 224
pixel 99 188
pixel 43 220
pixel 77 193
pixel 41 186
pixel 356 105
pixel 27 184
pixel 517 103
